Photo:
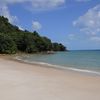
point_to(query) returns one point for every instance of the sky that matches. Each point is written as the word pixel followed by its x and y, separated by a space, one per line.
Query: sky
pixel 75 23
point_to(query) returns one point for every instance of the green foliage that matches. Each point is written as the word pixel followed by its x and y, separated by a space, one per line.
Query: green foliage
pixel 25 42
pixel 13 39
pixel 7 45
pixel 47 43
pixel 6 27
pixel 58 47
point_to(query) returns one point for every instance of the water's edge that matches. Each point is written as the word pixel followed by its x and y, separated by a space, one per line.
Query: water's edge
pixel 18 58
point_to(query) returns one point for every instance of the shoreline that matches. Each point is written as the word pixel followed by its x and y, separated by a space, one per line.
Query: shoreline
pixel 23 81
pixel 47 65
pixel 84 71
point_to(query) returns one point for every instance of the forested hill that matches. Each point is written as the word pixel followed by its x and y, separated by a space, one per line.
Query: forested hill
pixel 13 40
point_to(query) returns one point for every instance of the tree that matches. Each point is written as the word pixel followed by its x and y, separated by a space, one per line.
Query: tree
pixel 7 45
pixel 58 47
pixel 48 44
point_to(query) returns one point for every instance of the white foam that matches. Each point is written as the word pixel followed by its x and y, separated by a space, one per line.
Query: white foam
pixel 83 70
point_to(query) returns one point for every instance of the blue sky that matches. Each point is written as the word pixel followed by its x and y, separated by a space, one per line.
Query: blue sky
pixel 75 23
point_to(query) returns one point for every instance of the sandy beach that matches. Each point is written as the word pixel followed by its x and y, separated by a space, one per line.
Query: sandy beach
pixel 21 81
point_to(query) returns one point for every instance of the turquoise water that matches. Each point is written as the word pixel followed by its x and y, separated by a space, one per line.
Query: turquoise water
pixel 88 61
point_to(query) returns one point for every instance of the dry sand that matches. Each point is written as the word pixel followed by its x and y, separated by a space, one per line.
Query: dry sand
pixel 20 81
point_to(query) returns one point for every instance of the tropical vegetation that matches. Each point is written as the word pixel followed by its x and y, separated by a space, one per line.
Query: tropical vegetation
pixel 13 40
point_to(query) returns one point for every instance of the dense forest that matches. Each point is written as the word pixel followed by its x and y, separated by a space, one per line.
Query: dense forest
pixel 13 40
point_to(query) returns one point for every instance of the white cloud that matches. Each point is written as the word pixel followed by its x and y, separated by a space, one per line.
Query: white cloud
pixel 4 11
pixel 36 25
pixel 38 4
pixel 83 0
pixel 90 21
pixel 95 38
pixel 20 28
pixel 32 4
pixel 47 4
pixel 71 36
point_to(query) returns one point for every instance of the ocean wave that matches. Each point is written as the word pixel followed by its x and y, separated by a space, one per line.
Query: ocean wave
pixel 57 66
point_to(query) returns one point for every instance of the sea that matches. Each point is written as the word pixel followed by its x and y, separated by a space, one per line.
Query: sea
pixel 85 61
